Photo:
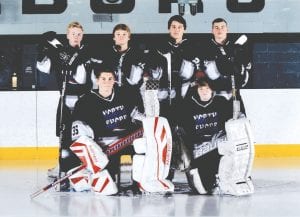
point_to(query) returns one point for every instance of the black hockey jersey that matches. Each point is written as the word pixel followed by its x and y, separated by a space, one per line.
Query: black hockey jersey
pixel 109 116
pixel 204 119
pixel 179 52
pixel 124 64
pixel 79 80
pixel 231 59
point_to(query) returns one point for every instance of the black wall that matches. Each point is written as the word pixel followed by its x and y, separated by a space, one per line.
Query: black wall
pixel 276 58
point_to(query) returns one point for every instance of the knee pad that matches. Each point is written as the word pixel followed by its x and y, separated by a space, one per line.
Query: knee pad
pixel 103 184
pixel 90 154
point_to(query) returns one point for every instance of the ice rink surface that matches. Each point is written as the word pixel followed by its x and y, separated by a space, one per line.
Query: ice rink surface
pixel 277 193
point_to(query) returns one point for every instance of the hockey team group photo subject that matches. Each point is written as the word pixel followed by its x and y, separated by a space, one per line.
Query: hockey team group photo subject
pixel 174 107
pixel 132 108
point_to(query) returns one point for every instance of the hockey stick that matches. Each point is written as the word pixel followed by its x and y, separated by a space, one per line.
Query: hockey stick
pixel 56 182
pixel 236 103
pixel 112 149
pixel 123 142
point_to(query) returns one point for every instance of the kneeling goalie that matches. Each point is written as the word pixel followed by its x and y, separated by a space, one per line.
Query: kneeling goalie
pixel 106 123
pixel 221 147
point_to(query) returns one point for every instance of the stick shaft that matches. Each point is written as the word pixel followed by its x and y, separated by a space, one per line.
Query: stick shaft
pixel 56 182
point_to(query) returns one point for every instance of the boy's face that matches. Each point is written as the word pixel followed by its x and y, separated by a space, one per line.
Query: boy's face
pixel 220 30
pixel 106 81
pixel 121 37
pixel 75 35
pixel 176 31
pixel 205 93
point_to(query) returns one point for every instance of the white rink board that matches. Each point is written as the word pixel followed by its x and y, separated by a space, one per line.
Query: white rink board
pixel 274 115
pixel 28 117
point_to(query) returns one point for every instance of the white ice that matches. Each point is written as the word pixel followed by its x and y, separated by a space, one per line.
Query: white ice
pixel 277 193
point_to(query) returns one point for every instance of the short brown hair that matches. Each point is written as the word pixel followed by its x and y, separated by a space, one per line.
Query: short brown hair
pixel 121 26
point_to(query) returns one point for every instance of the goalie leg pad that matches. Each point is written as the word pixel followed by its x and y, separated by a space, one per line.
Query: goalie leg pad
pixel 137 167
pixel 139 145
pixel 237 160
pixel 150 170
pixel 90 154
pixel 80 180
pixel 145 182
pixel 103 184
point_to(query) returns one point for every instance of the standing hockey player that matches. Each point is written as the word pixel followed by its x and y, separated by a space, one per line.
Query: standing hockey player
pixel 176 56
pixel 222 155
pixel 126 59
pixel 174 67
pixel 71 65
pixel 225 58
pixel 103 118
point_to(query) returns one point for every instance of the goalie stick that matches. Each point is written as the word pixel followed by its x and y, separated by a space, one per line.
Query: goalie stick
pixel 112 149
pixel 56 182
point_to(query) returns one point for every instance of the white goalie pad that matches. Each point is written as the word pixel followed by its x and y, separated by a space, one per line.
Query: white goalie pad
pixel 237 160
pixel 90 154
pixel 151 169
pixel 103 184
pixel 79 181
pixel 140 146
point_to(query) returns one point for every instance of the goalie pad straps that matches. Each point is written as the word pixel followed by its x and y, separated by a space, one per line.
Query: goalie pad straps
pixel 237 160
pixel 90 154
pixel 151 169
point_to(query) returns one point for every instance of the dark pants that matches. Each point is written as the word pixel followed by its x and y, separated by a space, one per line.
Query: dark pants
pixel 207 166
